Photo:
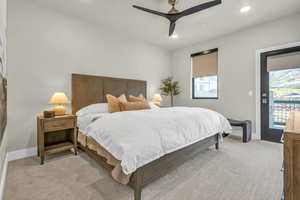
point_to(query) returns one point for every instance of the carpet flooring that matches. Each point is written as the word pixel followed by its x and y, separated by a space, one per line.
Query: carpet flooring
pixel 237 171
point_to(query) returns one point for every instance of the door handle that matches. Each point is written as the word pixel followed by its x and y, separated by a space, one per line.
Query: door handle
pixel 264 98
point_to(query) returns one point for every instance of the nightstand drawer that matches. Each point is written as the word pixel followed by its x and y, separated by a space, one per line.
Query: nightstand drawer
pixel 59 124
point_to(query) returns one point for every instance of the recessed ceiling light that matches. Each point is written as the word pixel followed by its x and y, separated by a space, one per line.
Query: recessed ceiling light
pixel 245 9
pixel 174 36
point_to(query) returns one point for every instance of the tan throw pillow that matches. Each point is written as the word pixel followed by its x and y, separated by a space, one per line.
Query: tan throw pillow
pixel 141 105
pixel 136 99
pixel 114 102
pixel 123 98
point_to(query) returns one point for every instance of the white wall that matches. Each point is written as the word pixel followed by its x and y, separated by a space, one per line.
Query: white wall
pixel 45 47
pixel 236 66
pixel 3 14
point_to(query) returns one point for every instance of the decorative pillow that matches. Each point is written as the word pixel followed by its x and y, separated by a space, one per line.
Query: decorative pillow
pixel 114 102
pixel 136 99
pixel 141 105
pixel 123 98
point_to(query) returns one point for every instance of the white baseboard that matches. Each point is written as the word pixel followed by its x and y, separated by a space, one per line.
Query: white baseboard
pixel 238 132
pixel 255 136
pixel 23 153
pixel 3 177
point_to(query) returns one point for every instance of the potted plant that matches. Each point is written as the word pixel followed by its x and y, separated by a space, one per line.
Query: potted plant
pixel 170 88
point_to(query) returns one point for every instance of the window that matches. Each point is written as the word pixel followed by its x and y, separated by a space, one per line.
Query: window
pixel 205 74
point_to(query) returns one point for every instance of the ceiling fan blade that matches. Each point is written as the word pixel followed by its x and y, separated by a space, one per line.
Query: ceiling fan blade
pixel 172 28
pixel 150 11
pixel 200 7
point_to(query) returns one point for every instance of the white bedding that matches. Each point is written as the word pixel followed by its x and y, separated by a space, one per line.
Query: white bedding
pixel 138 137
pixel 83 121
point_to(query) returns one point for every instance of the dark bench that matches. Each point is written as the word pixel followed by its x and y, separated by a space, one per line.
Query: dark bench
pixel 247 128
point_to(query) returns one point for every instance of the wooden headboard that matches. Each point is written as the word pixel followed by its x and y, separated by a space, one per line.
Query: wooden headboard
pixel 88 89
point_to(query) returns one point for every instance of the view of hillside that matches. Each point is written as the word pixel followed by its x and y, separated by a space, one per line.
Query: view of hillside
pixel 285 83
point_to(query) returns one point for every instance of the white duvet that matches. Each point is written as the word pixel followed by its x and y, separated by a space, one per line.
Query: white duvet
pixel 138 137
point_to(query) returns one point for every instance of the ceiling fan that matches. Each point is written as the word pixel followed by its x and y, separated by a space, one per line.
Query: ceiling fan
pixel 173 15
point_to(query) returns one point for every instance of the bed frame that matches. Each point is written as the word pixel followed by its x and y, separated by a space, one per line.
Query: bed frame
pixel 87 89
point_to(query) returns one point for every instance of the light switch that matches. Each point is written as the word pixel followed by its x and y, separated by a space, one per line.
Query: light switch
pixel 250 93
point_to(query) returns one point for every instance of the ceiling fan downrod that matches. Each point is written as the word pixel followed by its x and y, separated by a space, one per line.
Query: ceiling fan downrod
pixel 172 2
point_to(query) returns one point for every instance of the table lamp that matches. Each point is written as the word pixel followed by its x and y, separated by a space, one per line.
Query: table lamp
pixel 156 99
pixel 58 99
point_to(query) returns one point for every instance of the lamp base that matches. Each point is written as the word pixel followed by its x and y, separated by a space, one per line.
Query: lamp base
pixel 59 110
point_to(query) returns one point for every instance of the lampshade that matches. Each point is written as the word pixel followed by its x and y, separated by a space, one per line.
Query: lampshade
pixel 156 97
pixel 59 98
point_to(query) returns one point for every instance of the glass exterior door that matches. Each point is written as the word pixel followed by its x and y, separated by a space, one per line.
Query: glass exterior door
pixel 280 90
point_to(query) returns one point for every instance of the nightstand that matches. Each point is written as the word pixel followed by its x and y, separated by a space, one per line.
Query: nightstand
pixel 56 134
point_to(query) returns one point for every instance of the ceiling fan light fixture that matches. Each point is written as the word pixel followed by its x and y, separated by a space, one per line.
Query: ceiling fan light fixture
pixel 173 11
pixel 245 9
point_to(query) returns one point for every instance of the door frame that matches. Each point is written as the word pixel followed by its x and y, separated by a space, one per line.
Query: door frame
pixel 258 81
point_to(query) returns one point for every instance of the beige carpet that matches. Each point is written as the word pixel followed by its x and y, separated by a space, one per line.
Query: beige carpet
pixel 236 172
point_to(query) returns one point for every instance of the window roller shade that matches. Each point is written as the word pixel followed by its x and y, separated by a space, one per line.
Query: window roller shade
pixel 284 61
pixel 205 65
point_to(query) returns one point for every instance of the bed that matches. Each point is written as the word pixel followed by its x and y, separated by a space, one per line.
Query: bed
pixel 144 145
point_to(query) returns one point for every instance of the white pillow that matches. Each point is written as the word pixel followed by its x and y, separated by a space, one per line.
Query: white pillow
pixel 93 108
pixel 152 105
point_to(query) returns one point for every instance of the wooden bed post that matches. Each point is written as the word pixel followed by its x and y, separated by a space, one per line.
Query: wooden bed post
pixel 218 142
pixel 138 181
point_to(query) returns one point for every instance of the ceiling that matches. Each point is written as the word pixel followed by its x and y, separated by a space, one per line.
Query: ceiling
pixel 226 18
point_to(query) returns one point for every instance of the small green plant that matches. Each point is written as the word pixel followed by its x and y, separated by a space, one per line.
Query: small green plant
pixel 170 88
